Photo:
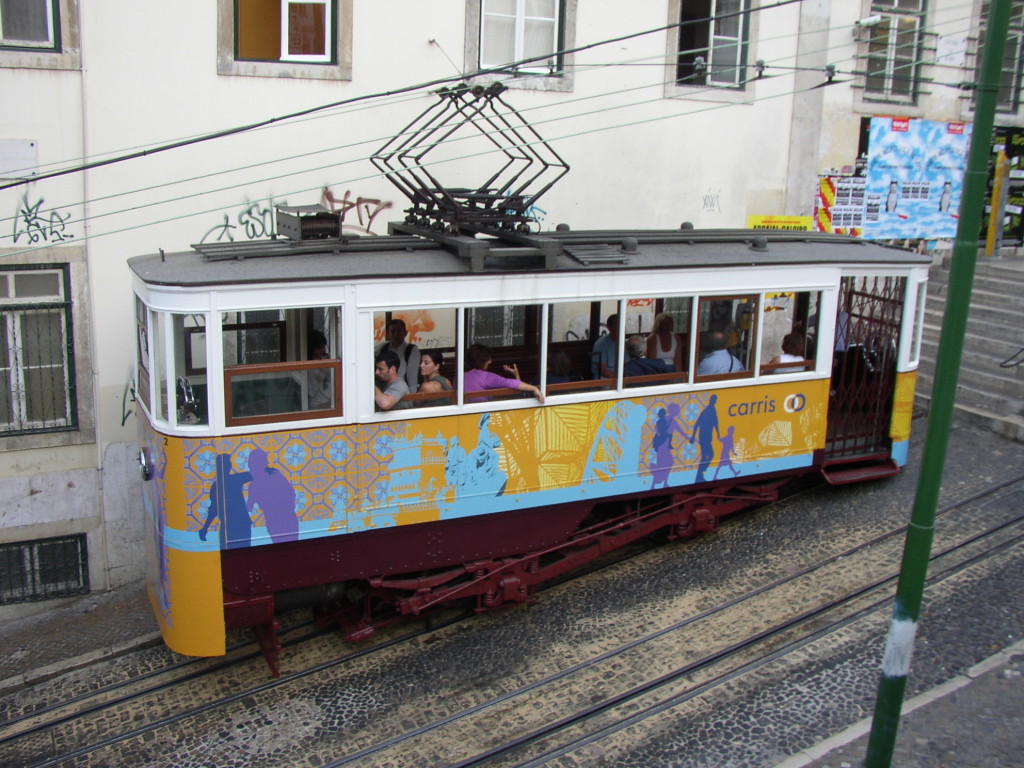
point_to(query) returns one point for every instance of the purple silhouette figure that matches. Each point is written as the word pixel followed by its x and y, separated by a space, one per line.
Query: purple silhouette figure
pixel 728 451
pixel 662 445
pixel 704 431
pixel 275 497
pixel 227 504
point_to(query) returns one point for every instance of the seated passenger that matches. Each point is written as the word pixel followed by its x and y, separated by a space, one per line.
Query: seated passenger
pixel 792 352
pixel 431 361
pixel 408 354
pixel 477 378
pixel 605 356
pixel 720 360
pixel 664 344
pixel 637 364
pixel 319 381
pixel 394 387
pixel 559 367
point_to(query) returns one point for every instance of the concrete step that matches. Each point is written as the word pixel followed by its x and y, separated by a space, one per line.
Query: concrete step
pixel 981 352
pixel 987 393
pixel 997 403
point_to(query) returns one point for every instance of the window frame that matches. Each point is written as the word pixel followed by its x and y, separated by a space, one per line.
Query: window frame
pixel 892 16
pixel 338 65
pixel 63 53
pixel 519 21
pixel 1011 80
pixel 561 79
pixel 743 90
pixel 12 308
pixel 53 41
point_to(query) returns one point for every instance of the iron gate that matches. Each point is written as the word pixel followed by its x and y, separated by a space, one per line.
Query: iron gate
pixel 864 367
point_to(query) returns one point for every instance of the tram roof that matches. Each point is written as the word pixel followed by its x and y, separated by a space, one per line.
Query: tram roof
pixel 395 256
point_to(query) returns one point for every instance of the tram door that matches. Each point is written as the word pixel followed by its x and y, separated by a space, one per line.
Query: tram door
pixel 864 368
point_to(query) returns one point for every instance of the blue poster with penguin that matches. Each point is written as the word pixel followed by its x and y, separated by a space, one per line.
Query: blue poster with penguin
pixel 915 171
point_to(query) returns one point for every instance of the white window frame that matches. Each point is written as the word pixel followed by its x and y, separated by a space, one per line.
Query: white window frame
pixel 51 42
pixel 12 310
pixel 519 36
pixel 894 13
pixel 63 52
pixel 324 58
pixel 741 89
pixel 297 67
pixel 536 79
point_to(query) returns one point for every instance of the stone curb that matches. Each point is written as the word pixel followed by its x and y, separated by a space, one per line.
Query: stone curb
pixel 821 749
pixel 36 676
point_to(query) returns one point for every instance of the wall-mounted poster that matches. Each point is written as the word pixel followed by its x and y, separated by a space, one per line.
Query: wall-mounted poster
pixel 915 174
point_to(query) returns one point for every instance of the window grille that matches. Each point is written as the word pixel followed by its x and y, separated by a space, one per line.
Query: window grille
pixel 894 51
pixel 29 24
pixel 1008 99
pixel 713 43
pixel 37 382
pixel 43 569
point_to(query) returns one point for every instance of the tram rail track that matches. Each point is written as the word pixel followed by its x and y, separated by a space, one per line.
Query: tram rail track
pixel 68 719
pixel 708 662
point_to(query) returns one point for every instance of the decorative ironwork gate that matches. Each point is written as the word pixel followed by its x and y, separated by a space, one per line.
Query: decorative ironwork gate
pixel 864 368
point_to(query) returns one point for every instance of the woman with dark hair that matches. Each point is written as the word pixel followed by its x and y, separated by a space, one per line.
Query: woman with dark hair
pixel 431 361
pixel 792 352
pixel 477 378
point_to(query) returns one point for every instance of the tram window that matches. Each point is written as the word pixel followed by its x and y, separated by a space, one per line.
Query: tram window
pixel 142 352
pixel 190 390
pixel 511 336
pixel 280 365
pixel 727 335
pixel 656 341
pixel 785 318
pixel 157 340
pixel 570 324
pixel 410 334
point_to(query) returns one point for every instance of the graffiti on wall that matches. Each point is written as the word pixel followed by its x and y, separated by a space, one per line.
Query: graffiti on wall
pixel 39 225
pixel 366 210
pixel 255 220
pixel 712 201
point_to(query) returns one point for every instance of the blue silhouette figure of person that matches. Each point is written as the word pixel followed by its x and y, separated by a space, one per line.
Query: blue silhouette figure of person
pixel 705 429
pixel 227 504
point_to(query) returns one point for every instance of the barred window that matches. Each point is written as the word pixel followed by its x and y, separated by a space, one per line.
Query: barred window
pixel 43 569
pixel 894 51
pixel 1013 55
pixel 37 381
pixel 712 43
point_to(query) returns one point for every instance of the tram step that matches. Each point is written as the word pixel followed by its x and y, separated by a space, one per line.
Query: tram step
pixel 842 474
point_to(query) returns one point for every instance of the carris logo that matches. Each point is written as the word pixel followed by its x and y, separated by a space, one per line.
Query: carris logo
pixel 794 403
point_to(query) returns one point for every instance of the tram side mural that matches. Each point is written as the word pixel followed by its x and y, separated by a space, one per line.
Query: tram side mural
pixel 267 488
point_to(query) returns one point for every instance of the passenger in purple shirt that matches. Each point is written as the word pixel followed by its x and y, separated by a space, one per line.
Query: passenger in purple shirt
pixel 478 378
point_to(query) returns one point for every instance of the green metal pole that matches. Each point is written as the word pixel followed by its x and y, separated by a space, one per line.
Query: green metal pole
pixel 914 569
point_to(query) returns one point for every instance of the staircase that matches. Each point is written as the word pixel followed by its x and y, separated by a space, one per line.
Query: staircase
pixel 987 394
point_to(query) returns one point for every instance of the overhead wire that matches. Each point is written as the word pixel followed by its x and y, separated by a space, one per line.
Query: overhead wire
pixel 364 97
pixel 658 62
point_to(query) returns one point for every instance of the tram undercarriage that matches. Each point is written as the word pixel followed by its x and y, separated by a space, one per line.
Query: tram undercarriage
pixel 360 607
